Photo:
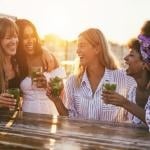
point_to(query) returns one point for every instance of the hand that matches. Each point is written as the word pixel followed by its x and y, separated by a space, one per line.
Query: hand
pixel 40 80
pixel 110 97
pixel 48 61
pixel 57 101
pixel 49 93
pixel 7 100
pixel 148 85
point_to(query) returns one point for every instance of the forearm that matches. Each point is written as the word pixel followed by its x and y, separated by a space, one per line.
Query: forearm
pixel 135 110
pixel 62 110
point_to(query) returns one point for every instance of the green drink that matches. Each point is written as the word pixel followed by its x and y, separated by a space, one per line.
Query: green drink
pixel 57 85
pixel 109 86
pixel 16 93
pixel 35 72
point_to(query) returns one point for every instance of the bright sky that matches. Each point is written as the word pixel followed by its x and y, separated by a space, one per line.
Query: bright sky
pixel 119 20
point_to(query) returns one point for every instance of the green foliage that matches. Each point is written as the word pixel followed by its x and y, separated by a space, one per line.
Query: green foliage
pixel 16 93
pixel 109 86
pixel 56 85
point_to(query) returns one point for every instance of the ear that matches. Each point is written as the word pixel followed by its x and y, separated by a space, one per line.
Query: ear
pixel 147 66
pixel 97 50
pixel 144 65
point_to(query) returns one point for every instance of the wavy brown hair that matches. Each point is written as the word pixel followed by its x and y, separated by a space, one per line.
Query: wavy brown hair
pixel 6 25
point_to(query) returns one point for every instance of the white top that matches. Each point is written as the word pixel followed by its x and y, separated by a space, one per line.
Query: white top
pixel 35 100
pixel 82 103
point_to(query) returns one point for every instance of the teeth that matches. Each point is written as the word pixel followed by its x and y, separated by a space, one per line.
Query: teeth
pixel 29 46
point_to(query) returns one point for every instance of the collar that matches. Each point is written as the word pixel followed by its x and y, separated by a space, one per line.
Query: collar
pixel 85 80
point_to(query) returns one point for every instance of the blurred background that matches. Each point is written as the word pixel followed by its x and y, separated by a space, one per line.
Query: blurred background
pixel 59 22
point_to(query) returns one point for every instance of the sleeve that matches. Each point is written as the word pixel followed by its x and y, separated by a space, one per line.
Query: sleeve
pixel 147 117
pixel 59 72
pixel 131 84
pixel 69 96
pixel 124 82
pixel 131 98
pixel 131 91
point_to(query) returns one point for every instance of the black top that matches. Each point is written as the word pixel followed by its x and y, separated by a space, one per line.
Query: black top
pixel 14 83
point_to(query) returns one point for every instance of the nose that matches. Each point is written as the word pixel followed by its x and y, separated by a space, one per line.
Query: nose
pixel 30 39
pixel 126 58
pixel 14 39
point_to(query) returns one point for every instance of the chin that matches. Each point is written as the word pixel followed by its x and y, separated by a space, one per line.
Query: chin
pixel 82 63
pixel 30 52
pixel 13 52
pixel 130 74
pixel 127 72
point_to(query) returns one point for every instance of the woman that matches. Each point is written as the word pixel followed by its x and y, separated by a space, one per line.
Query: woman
pixel 29 55
pixel 138 61
pixel 146 32
pixel 83 91
pixel 9 75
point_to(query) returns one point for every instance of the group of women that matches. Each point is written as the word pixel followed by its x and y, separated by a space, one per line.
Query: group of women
pixel 83 95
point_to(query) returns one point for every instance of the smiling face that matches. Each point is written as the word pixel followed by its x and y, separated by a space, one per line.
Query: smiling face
pixel 86 52
pixel 29 40
pixel 134 62
pixel 9 42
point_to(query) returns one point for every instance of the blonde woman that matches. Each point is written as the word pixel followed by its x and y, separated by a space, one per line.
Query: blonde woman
pixel 9 76
pixel 83 91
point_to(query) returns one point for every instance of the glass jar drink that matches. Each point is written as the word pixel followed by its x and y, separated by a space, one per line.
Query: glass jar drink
pixel 16 93
pixel 35 72
pixel 109 86
pixel 56 84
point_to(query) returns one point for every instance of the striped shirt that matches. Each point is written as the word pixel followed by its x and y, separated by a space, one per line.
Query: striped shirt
pixel 82 103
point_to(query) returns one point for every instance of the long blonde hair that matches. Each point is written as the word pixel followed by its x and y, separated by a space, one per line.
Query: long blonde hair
pixel 5 24
pixel 96 38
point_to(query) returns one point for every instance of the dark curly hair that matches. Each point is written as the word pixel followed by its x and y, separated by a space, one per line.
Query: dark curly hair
pixel 145 30
pixel 135 45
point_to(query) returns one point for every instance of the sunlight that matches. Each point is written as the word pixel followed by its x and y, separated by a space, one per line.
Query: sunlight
pixel 120 20
pixel 54 28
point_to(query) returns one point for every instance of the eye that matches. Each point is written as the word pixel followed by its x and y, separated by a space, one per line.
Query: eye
pixel 81 46
pixel 8 38
pixel 27 36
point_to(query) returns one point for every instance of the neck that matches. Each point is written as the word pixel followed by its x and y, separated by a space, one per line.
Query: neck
pixel 95 70
pixel 30 57
pixel 142 80
pixel 7 59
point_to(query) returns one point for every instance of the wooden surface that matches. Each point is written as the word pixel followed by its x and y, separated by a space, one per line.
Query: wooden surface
pixel 25 131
